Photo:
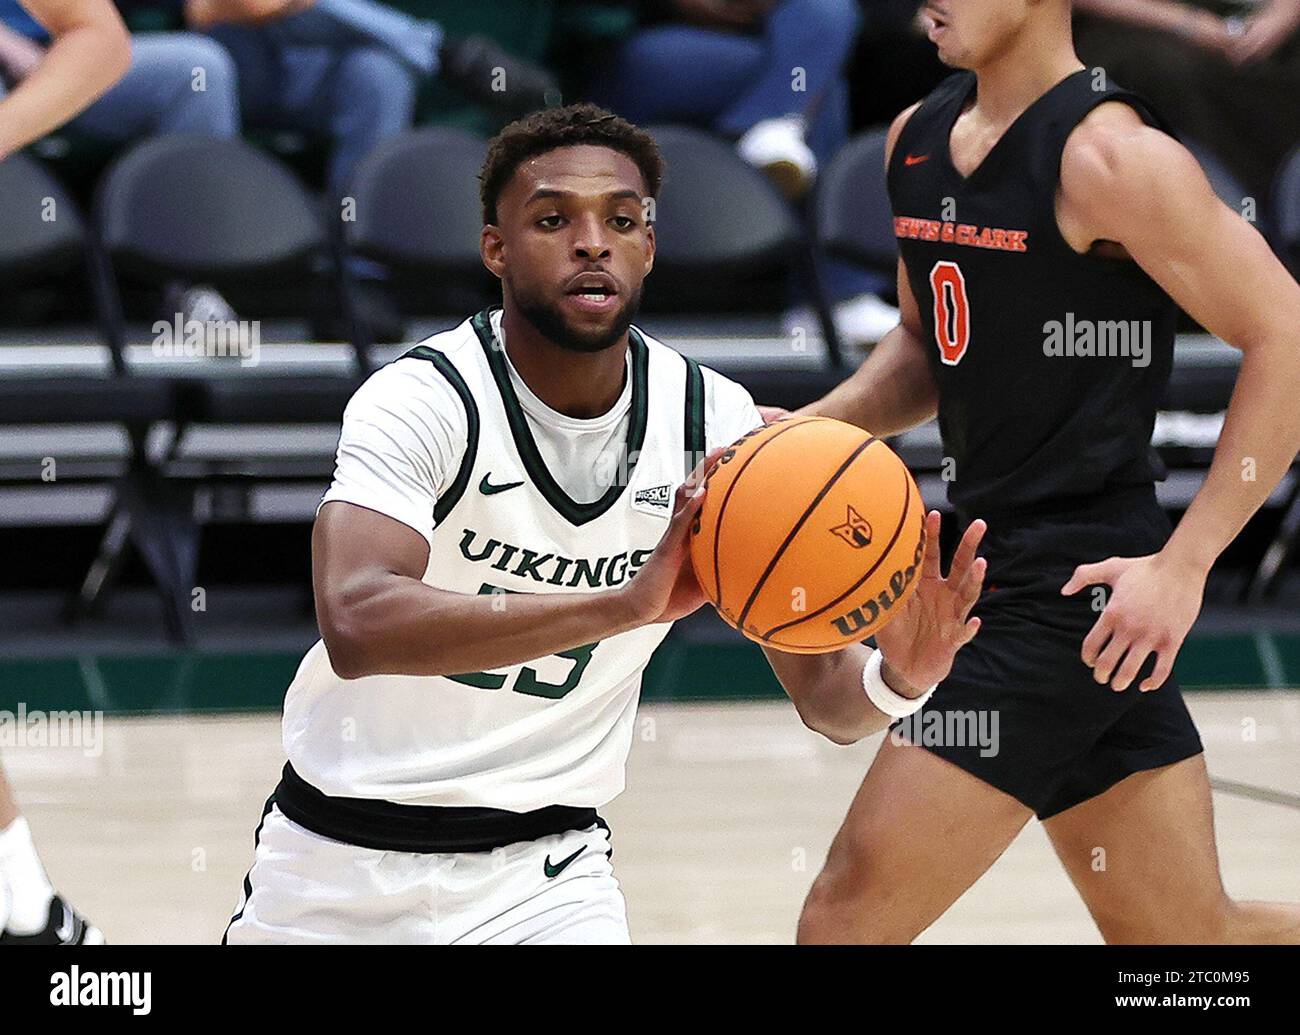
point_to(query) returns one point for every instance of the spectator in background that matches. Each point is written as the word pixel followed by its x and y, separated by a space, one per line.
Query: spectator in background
pixel 1226 75
pixel 177 82
pixel 768 74
pixel 350 69
pixel 159 92
pixel 765 73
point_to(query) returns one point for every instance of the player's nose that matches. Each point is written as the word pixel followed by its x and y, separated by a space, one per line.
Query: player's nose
pixel 591 239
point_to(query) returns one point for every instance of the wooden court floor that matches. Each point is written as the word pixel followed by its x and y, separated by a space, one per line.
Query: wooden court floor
pixel 726 819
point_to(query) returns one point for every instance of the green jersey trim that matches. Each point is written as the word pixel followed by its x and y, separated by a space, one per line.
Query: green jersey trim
pixel 568 508
pixel 447 500
pixel 694 437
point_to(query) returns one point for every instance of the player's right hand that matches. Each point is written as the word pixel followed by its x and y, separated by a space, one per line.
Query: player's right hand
pixel 665 588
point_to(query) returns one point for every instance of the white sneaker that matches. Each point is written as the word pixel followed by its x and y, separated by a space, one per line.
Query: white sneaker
pixel 777 148
pixel 859 321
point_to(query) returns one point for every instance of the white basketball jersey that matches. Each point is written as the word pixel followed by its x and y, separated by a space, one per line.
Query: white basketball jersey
pixel 557 730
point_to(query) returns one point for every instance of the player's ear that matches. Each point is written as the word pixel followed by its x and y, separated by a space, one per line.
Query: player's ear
pixel 491 246
pixel 649 248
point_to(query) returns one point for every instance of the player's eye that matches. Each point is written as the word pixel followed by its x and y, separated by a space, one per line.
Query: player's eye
pixel 623 222
pixel 550 222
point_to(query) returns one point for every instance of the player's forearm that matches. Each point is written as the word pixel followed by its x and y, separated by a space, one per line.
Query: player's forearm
pixel 80 65
pixel 1259 441
pixel 892 391
pixel 395 625
pixel 828 694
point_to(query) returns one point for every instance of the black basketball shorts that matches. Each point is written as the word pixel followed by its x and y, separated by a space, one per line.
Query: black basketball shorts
pixel 1020 709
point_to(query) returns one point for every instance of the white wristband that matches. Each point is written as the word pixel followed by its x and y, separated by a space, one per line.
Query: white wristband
pixel 878 692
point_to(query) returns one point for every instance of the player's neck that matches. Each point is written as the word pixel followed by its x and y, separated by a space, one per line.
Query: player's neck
pixel 576 384
pixel 1022 73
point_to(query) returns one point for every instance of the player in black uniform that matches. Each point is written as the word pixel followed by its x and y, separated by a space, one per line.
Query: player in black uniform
pixel 1048 229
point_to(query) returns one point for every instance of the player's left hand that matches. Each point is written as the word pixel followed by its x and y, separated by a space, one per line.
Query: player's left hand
pixel 921 641
pixel 1151 607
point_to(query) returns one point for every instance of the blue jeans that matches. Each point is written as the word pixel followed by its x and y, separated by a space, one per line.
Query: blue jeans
pixel 346 69
pixel 727 82
pixel 178 82
pixel 351 23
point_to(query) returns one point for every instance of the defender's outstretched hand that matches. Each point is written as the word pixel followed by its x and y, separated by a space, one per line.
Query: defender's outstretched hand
pixel 921 642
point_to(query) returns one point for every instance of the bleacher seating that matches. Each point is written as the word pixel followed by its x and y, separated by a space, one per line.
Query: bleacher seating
pixel 853 219
pixel 416 212
pixel 722 234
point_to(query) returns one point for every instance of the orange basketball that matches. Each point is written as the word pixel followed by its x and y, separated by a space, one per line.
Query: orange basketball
pixel 811 535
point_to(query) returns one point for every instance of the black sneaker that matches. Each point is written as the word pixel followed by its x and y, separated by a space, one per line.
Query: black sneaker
pixel 63 928
pixel 485 73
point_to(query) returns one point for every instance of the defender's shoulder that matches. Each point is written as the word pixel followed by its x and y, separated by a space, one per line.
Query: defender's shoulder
pixel 1117 170
pixel 1113 145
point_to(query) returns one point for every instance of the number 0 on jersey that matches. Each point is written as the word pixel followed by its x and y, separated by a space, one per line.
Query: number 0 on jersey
pixel 951 312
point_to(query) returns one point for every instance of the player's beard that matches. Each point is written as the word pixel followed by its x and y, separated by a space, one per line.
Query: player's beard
pixel 549 321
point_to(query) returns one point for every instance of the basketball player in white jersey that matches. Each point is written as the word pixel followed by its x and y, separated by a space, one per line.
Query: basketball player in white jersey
pixel 89 51
pixel 501 550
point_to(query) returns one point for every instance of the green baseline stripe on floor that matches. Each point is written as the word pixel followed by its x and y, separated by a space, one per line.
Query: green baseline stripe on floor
pixel 179 683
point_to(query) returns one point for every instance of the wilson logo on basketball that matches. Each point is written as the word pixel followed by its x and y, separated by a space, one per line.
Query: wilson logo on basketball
pixel 869 612
pixel 856 530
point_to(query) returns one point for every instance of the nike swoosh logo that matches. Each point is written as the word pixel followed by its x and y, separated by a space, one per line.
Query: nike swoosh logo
pixel 915 159
pixel 488 489
pixel 554 871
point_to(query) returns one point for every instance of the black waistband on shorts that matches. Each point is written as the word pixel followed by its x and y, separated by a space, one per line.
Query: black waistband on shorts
pixel 427 829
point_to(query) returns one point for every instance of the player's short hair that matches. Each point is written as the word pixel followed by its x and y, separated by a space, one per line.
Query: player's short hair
pixel 569 126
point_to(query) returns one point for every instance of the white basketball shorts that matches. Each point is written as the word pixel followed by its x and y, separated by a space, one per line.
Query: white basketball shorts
pixel 305 888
